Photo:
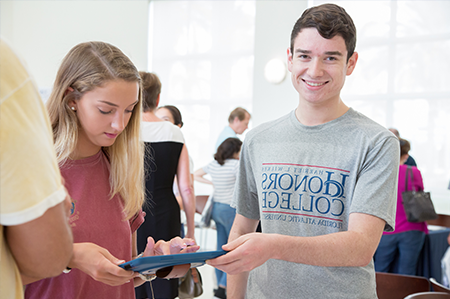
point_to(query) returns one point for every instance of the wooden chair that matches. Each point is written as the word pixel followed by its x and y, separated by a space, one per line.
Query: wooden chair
pixel 429 295
pixel 437 287
pixel 442 220
pixel 397 286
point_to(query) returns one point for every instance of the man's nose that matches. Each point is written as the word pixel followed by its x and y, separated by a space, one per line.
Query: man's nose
pixel 315 69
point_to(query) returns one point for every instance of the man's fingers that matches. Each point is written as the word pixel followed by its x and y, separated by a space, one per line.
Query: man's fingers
pixel 235 243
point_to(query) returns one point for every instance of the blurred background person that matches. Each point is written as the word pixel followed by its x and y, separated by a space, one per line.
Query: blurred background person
pixel 403 245
pixel 237 124
pixel 166 155
pixel 172 114
pixel 223 171
pixel 410 160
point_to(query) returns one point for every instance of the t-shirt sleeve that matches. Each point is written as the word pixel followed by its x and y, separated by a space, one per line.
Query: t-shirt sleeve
pixel 207 168
pixel 376 188
pixel 30 177
pixel 137 221
pixel 245 196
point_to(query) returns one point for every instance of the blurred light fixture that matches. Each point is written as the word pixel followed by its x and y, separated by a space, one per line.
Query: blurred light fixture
pixel 275 71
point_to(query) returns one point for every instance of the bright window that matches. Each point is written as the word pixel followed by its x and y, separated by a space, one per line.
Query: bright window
pixel 203 53
pixel 402 79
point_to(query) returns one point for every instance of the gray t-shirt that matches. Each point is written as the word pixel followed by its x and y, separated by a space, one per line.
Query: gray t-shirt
pixel 305 181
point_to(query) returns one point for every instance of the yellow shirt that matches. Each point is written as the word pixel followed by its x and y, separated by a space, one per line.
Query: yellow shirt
pixel 30 181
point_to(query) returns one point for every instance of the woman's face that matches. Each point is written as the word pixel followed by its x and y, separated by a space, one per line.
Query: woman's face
pixel 165 114
pixel 103 113
pixel 236 155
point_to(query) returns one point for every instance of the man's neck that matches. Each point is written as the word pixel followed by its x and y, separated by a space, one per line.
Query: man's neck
pixel 231 126
pixel 313 115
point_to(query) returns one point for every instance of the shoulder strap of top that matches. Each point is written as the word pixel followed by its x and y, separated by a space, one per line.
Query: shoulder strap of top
pixel 408 172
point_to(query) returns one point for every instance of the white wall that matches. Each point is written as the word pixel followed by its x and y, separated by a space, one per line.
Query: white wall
pixel 274 22
pixel 44 31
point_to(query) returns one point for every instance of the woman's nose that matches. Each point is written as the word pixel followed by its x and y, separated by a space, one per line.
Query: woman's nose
pixel 118 122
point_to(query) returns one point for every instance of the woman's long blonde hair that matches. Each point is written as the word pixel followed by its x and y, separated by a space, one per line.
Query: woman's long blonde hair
pixel 85 67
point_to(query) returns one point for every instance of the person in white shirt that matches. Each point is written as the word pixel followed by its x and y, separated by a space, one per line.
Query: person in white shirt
pixel 237 124
pixel 223 171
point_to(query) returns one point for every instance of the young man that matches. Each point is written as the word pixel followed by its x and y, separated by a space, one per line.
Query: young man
pixel 237 124
pixel 322 179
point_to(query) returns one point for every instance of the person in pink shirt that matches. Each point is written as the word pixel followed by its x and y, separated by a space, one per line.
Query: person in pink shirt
pixel 404 244
pixel 95 112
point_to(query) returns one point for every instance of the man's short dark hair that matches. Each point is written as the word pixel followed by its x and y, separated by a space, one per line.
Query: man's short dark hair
pixel 329 20
pixel 239 112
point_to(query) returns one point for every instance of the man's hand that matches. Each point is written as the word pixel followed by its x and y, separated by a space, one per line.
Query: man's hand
pixel 245 253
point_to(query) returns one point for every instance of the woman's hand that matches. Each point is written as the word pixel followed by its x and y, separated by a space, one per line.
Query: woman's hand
pixel 176 245
pixel 99 264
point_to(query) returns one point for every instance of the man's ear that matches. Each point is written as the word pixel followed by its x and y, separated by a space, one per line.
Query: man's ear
pixel 289 59
pixel 352 63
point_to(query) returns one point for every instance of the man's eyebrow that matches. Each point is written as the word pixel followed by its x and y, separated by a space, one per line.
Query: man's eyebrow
pixel 302 51
pixel 332 53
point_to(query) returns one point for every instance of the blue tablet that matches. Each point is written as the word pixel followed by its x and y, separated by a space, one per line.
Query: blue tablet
pixel 151 264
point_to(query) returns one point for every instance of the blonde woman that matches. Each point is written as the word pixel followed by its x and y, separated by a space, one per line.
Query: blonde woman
pixel 95 111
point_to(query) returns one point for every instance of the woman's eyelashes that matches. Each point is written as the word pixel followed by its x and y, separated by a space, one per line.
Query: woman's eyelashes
pixel 104 112
pixel 110 111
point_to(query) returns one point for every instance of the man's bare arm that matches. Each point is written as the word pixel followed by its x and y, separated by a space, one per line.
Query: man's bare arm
pixel 237 284
pixel 352 248
pixel 42 247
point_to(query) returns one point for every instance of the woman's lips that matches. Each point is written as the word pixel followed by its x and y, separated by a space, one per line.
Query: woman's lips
pixel 109 135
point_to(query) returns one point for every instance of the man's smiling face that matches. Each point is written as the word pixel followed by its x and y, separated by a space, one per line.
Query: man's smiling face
pixel 319 66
